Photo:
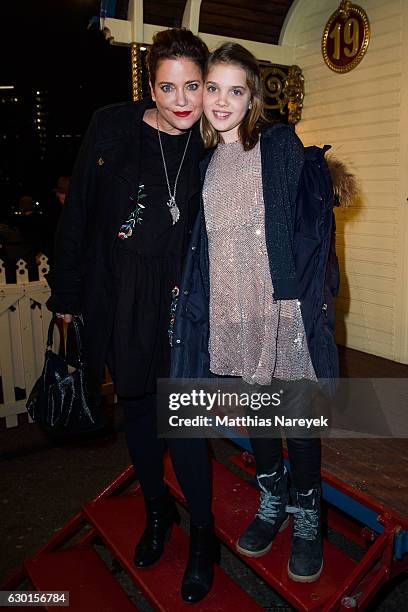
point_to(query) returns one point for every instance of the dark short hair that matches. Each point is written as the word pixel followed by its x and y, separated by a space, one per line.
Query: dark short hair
pixel 173 44
pixel 249 130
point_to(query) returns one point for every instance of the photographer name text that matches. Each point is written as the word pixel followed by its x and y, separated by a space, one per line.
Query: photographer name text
pixel 247 421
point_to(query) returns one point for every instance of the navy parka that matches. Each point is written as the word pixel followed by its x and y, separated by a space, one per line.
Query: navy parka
pixel 300 240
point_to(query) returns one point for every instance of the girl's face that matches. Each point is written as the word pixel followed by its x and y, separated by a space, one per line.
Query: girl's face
pixel 178 93
pixel 226 99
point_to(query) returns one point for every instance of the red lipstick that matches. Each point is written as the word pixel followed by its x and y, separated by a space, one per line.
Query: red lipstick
pixel 182 113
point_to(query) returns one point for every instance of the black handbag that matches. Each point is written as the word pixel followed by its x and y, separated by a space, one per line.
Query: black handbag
pixel 59 402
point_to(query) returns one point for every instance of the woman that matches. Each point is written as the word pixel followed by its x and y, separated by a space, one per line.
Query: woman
pixel 124 230
pixel 255 306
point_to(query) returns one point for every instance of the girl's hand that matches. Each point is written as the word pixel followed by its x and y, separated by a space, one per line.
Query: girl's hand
pixel 66 317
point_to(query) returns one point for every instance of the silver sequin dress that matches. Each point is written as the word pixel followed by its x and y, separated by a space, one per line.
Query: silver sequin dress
pixel 251 335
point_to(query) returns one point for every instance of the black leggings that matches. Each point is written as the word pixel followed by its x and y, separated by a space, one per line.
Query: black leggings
pixel 189 456
pixel 304 458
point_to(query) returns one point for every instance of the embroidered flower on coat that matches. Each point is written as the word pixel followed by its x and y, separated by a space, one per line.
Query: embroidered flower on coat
pixel 174 294
pixel 135 217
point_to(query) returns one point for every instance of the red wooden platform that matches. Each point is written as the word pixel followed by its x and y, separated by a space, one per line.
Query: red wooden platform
pixel 120 520
pixel 70 562
pixel 80 571
pixel 235 503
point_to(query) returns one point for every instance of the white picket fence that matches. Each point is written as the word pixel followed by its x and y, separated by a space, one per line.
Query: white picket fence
pixel 24 321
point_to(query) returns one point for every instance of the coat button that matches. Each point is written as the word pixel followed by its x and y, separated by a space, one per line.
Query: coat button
pixel 185 292
pixel 178 341
pixel 193 248
pixel 101 161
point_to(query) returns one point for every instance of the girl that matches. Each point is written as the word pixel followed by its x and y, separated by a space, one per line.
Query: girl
pixel 124 230
pixel 254 309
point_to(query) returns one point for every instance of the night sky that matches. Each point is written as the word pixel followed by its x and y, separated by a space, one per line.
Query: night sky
pixel 47 42
pixel 46 45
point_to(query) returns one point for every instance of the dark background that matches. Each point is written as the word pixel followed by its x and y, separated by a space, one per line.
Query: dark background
pixel 46 47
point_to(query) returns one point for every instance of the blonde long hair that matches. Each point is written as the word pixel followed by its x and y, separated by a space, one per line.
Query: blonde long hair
pixel 248 132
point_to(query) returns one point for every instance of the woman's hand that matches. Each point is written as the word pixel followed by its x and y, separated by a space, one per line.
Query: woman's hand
pixel 66 317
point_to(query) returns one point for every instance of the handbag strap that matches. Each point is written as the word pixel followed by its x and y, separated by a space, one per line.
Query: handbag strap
pixel 51 331
pixel 76 326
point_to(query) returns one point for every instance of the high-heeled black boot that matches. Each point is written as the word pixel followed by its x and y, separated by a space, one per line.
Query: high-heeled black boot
pixel 161 514
pixel 204 552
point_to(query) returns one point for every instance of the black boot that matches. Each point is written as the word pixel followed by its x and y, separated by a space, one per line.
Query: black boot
pixel 204 552
pixel 271 516
pixel 306 561
pixel 161 513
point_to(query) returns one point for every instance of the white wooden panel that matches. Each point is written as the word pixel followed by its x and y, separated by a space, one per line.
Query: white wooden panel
pixel 21 272
pixel 355 282
pixel 43 266
pixel 22 338
pixel 17 348
pixel 367 145
pixel 378 322
pixel 353 339
pixel 375 158
pixel 365 268
pixel 345 119
pixel 385 173
pixel 361 90
pixel 362 332
pixel 11 411
pixel 365 212
pixel 345 133
pixel 386 201
pixel 370 255
pixel 374 8
pixel 364 73
pixel 379 188
pixel 363 241
pixel 27 343
pixel 310 34
pixel 324 109
pixel 314 66
pixel 6 365
pixel 365 296
pixel 380 41
pixel 359 307
pixel 366 227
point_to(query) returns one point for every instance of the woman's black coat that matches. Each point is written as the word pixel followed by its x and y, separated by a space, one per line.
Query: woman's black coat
pixel 104 181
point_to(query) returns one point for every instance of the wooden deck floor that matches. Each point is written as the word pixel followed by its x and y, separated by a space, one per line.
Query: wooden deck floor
pixel 378 467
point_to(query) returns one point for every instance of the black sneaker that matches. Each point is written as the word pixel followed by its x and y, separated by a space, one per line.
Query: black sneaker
pixel 306 561
pixel 271 516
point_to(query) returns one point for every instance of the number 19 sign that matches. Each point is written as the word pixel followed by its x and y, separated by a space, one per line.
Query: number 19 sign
pixel 346 37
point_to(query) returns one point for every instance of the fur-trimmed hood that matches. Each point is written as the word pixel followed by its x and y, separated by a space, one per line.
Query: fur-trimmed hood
pixel 345 185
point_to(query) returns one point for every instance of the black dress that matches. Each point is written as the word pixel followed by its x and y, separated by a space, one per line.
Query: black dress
pixel 147 260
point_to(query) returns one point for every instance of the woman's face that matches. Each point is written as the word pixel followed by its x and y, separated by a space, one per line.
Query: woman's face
pixel 178 93
pixel 226 99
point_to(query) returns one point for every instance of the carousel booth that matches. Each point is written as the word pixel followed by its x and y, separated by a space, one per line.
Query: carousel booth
pixel 335 72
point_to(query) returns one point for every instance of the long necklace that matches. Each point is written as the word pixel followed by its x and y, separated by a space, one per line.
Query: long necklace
pixel 172 204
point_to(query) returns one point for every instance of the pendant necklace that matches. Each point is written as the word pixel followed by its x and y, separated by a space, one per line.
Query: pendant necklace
pixel 172 204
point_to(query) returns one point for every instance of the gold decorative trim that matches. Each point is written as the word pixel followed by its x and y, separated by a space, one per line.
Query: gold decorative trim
pixel 344 11
pixel 284 90
pixel 294 93
pixel 136 65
